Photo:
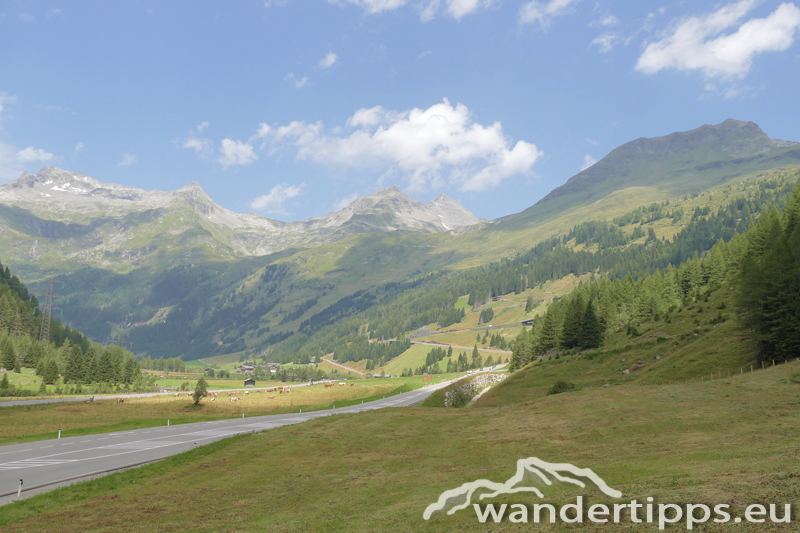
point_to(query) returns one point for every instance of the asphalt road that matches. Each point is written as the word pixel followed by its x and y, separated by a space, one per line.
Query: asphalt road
pixel 45 465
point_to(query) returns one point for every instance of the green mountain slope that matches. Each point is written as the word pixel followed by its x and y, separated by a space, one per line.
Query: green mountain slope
pixel 676 164
pixel 182 278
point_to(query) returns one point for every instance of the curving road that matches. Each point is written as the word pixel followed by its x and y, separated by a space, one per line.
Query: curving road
pixel 45 465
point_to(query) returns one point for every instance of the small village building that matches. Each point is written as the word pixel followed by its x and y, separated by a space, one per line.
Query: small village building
pixel 250 382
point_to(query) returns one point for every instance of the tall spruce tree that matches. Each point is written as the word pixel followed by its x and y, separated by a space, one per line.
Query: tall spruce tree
pixel 50 374
pixel 9 357
pixel 570 331
pixel 591 333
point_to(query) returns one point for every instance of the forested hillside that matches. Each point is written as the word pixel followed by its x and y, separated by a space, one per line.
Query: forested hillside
pixel 69 360
pixel 621 250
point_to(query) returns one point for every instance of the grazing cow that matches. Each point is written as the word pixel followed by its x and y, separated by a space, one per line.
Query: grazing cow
pixel 214 398
pixel 342 384
pixel 352 384
pixel 246 392
pixel 233 399
pixel 177 394
pixel 120 400
pixel 272 397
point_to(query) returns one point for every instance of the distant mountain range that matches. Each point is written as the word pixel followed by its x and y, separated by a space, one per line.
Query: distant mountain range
pixel 74 217
pixel 181 275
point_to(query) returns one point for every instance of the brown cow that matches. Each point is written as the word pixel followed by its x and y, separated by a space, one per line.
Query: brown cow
pixel 272 397
pixel 120 400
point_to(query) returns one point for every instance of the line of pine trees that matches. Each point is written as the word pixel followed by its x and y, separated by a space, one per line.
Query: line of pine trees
pixel 763 263
pixel 171 364
pixel 769 285
pixel 70 357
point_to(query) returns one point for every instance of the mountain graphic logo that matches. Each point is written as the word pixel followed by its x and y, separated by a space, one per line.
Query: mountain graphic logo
pixel 532 475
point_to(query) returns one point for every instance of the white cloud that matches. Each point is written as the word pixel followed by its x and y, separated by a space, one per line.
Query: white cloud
pixel 13 161
pixel 201 127
pixel 587 162
pixel 297 82
pixel 606 41
pixel 26 17
pixel 375 6
pixel 127 160
pixel 697 43
pixel 329 60
pixel 424 54
pixel 456 9
pixel 53 13
pixel 201 146
pixel 428 10
pixel 79 147
pixel 236 153
pixel 344 202
pixel 606 20
pixel 426 146
pixel 273 202
pixel 592 141
pixel 30 154
pixel 544 12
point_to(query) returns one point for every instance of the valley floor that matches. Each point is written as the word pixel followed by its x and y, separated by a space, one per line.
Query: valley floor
pixel 733 440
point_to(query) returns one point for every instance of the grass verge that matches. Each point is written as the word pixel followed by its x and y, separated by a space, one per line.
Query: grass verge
pixel 729 441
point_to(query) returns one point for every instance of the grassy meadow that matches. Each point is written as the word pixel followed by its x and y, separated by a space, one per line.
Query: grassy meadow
pixel 39 422
pixel 728 441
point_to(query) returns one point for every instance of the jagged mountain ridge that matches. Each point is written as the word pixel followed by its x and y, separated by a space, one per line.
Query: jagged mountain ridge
pixel 99 219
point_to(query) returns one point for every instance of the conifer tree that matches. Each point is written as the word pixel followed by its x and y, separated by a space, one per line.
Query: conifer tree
pixel 9 358
pixel 548 336
pixel 591 334
pixel 73 370
pixel 50 374
pixel 572 322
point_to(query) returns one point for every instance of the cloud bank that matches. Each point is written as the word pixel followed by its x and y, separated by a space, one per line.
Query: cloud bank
pixel 698 43
pixel 425 146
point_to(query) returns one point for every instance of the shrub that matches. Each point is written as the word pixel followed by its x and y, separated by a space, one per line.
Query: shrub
pixel 460 398
pixel 561 386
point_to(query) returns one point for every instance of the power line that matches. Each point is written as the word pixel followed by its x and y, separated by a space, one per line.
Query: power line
pixel 47 312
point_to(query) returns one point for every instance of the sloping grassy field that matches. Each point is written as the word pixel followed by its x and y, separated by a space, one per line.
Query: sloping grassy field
pixel 729 441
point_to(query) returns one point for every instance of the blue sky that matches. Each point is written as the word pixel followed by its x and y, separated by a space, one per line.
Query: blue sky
pixel 290 108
